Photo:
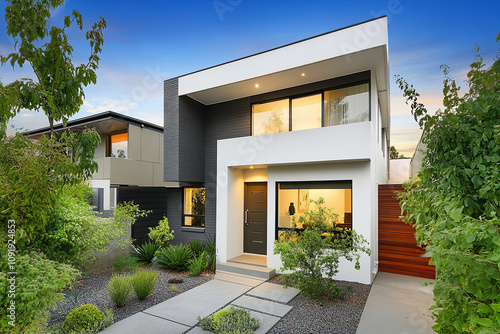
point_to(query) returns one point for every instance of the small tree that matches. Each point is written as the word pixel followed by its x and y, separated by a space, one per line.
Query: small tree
pixel 58 88
pixel 455 202
pixel 314 253
pixel 161 234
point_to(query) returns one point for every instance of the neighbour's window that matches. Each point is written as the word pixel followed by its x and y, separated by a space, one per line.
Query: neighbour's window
pixel 118 145
pixel 294 199
pixel 347 105
pixel 194 207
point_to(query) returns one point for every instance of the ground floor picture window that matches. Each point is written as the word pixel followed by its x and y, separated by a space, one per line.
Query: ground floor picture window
pixel 294 199
pixel 194 207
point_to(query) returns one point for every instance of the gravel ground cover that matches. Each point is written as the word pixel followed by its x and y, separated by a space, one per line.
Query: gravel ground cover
pixel 325 316
pixel 91 289
pixel 307 316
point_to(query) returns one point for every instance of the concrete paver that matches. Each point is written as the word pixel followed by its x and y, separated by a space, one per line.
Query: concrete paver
pixel 274 292
pixel 200 301
pixel 240 279
pixel 144 323
pixel 263 306
pixel 397 304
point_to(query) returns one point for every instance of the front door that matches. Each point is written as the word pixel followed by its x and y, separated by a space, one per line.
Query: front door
pixel 255 218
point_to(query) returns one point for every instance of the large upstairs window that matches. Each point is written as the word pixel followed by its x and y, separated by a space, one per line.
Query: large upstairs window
pixel 331 107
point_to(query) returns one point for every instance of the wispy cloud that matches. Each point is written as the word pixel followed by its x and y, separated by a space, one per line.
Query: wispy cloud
pixel 27 115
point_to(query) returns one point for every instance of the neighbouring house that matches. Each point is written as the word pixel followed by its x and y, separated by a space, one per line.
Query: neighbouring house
pixel 130 160
pixel 417 159
pixel 251 141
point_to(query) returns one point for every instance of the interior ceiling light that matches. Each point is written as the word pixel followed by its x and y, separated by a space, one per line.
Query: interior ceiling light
pixel 256 85
pixel 303 74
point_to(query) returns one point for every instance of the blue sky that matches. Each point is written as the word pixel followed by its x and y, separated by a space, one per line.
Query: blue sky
pixel 149 41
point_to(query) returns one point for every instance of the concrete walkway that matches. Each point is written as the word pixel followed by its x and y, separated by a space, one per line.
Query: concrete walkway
pixel 179 314
pixel 397 304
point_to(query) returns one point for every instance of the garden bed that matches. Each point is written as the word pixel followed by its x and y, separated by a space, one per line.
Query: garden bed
pixel 91 289
pixel 325 316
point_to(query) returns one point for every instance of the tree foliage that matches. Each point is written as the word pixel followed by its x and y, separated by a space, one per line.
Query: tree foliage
pixel 58 87
pixel 454 203
pixel 315 252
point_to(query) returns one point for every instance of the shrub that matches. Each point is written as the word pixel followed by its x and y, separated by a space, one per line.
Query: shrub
pixel 197 264
pixel 312 257
pixel 146 252
pixel 161 234
pixel 228 321
pixel 119 289
pixel 210 248
pixel 174 257
pixel 454 203
pixel 38 282
pixel 144 282
pixel 83 318
pixel 196 246
pixel 128 263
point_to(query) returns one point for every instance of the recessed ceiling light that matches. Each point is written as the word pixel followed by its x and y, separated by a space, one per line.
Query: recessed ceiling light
pixel 251 167
pixel 256 85
pixel 303 74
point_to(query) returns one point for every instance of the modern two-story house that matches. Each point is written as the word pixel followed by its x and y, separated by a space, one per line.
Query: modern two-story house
pixel 253 140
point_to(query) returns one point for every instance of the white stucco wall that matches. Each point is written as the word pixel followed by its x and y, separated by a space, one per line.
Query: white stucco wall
pixel 307 155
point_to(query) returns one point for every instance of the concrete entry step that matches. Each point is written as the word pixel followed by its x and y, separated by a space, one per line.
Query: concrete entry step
pixel 246 269
pixel 254 260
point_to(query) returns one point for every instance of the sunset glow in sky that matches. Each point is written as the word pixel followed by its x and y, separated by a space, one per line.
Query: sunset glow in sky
pixel 149 41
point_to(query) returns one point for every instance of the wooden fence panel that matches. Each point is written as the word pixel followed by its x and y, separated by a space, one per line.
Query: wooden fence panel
pixel 397 248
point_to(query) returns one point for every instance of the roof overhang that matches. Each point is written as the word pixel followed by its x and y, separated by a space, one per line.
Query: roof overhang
pixel 353 49
pixel 104 123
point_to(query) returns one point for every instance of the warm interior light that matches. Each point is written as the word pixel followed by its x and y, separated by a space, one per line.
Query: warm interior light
pixel 303 74
pixel 251 167
pixel 256 85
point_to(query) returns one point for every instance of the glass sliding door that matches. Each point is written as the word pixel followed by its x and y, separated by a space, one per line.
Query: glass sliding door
pixel 347 105
pixel 271 117
pixel 306 112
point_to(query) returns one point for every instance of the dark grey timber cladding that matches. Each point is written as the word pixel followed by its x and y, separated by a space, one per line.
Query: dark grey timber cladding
pixel 171 130
pixel 154 199
pixel 191 140
pixel 224 120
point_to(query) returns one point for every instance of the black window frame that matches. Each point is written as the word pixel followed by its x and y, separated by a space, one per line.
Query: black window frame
pixel 278 183
pixel 184 214
pixel 310 93
pixel 108 142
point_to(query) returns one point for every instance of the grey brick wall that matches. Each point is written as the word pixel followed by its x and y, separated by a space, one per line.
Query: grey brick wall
pixel 171 129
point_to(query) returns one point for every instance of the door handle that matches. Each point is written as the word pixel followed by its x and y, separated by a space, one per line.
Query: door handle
pixel 246 217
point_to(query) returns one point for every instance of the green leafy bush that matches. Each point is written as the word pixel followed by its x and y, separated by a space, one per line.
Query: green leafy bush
pixel 211 249
pixel 35 290
pixel 125 262
pixel 313 255
pixel 454 203
pixel 146 252
pixel 119 289
pixel 83 318
pixel 230 321
pixel 161 234
pixel 75 232
pixel 175 257
pixel 196 246
pixel 144 282
pixel 197 264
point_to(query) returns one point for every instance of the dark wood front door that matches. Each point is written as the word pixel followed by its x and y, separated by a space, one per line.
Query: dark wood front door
pixel 255 218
